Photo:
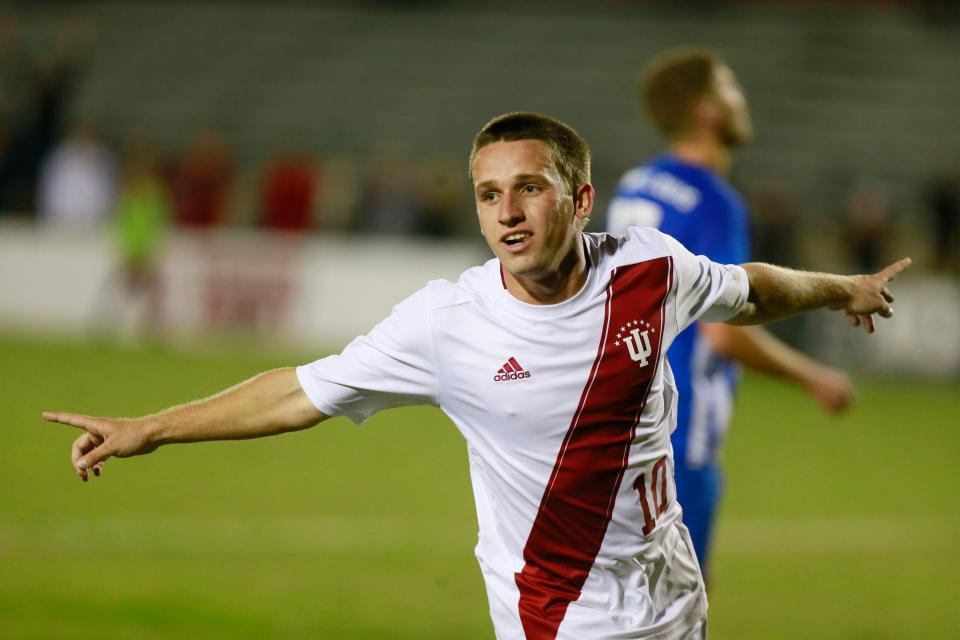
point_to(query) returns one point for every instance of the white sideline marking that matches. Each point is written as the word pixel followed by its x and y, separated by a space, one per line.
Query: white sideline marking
pixel 229 536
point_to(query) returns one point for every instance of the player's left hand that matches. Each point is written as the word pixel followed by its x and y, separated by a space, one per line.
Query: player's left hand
pixel 869 294
pixel 831 389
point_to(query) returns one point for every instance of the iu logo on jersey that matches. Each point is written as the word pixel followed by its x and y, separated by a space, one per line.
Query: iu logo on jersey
pixel 636 335
pixel 511 370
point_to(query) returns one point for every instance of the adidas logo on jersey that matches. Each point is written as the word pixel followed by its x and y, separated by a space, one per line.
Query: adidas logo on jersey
pixel 511 370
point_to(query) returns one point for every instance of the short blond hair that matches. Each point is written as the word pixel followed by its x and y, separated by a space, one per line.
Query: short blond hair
pixel 673 82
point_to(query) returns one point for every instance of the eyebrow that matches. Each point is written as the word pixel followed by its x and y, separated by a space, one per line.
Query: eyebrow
pixel 523 177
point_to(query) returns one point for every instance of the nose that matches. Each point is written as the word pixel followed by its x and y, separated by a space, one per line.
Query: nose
pixel 510 213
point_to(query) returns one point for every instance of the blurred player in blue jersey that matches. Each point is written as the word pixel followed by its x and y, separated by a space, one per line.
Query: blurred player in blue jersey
pixel 693 99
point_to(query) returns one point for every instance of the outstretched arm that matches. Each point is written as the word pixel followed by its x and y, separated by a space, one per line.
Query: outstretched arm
pixel 776 292
pixel 757 348
pixel 269 403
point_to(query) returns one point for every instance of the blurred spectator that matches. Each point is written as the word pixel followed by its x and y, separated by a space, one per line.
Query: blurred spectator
pixel 775 222
pixel 9 37
pixel 140 227
pixel 943 197
pixel 390 202
pixel 440 208
pixel 288 193
pixel 142 213
pixel 867 218
pixel 78 181
pixel 340 205
pixel 200 182
pixel 38 89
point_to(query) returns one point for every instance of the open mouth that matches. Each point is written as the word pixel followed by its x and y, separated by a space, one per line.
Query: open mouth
pixel 517 240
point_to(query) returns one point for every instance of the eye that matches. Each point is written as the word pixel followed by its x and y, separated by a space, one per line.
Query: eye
pixel 532 188
pixel 489 196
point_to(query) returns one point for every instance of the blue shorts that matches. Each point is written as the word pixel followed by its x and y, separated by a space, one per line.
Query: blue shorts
pixel 698 492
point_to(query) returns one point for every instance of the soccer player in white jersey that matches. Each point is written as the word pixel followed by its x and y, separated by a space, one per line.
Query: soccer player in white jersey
pixel 550 360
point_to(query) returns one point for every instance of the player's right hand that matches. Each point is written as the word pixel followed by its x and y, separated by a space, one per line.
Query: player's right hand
pixel 102 438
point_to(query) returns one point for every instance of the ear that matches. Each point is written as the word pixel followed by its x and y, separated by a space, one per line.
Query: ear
pixel 583 201
pixel 705 111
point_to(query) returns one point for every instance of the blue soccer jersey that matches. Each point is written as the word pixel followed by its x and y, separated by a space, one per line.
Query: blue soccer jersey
pixel 701 210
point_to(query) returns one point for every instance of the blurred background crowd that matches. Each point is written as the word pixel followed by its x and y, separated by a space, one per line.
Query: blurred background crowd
pixel 113 111
pixel 147 121
pixel 65 168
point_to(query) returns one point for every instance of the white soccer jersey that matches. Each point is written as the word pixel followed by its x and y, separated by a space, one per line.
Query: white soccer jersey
pixel 567 411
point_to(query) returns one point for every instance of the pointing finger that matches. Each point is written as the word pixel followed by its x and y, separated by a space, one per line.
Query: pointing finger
pixel 74 420
pixel 892 271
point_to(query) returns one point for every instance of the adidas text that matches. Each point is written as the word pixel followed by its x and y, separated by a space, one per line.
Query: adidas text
pixel 516 375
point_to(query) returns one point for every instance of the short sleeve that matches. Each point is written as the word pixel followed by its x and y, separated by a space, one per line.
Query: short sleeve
pixel 706 290
pixel 392 366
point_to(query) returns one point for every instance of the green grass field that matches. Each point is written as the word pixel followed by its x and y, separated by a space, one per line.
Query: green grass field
pixel 845 528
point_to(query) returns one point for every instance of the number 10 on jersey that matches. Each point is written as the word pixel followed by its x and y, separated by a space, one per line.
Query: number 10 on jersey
pixel 656 505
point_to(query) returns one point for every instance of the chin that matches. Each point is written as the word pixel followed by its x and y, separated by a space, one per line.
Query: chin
pixel 735 133
pixel 735 142
pixel 515 267
pixel 519 268
pixel 738 136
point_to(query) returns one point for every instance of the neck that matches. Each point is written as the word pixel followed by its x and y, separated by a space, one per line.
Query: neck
pixel 703 150
pixel 555 285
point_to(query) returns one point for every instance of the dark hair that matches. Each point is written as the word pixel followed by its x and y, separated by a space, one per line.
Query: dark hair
pixel 571 153
pixel 672 83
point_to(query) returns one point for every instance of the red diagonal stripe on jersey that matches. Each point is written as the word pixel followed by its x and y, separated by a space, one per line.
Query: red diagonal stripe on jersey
pixel 507 367
pixel 516 365
pixel 577 503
